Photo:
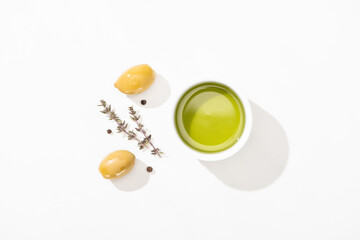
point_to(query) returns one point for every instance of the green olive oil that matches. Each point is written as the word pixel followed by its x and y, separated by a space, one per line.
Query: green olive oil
pixel 209 117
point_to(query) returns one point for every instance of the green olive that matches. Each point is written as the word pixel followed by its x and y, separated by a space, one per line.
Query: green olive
pixel 136 79
pixel 117 164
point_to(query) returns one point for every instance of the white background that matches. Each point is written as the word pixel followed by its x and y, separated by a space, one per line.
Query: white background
pixel 297 61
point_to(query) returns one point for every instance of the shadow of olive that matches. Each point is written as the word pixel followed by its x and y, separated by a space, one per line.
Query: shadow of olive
pixel 134 180
pixel 155 96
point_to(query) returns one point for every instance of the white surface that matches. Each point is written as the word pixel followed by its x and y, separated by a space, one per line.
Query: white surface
pixel 297 61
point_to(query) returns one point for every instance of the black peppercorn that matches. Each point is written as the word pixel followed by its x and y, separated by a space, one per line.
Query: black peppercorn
pixel 109 131
pixel 149 169
pixel 143 102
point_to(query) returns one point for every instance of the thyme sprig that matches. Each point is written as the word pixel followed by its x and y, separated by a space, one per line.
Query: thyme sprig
pixel 122 126
pixel 140 128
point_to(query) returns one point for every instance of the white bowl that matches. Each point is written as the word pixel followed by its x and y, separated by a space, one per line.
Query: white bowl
pixel 229 151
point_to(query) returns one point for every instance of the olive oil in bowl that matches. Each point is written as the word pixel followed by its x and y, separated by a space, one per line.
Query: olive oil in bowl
pixel 210 117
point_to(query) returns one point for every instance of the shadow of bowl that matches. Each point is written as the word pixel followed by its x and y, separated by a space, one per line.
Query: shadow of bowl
pixel 155 96
pixel 134 180
pixel 261 161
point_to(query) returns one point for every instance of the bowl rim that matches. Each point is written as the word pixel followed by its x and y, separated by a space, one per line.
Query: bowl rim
pixel 229 151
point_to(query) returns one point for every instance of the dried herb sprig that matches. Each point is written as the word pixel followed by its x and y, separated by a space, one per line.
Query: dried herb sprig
pixel 140 128
pixel 122 126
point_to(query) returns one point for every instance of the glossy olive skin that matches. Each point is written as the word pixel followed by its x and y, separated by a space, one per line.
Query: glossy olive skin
pixel 117 164
pixel 136 79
